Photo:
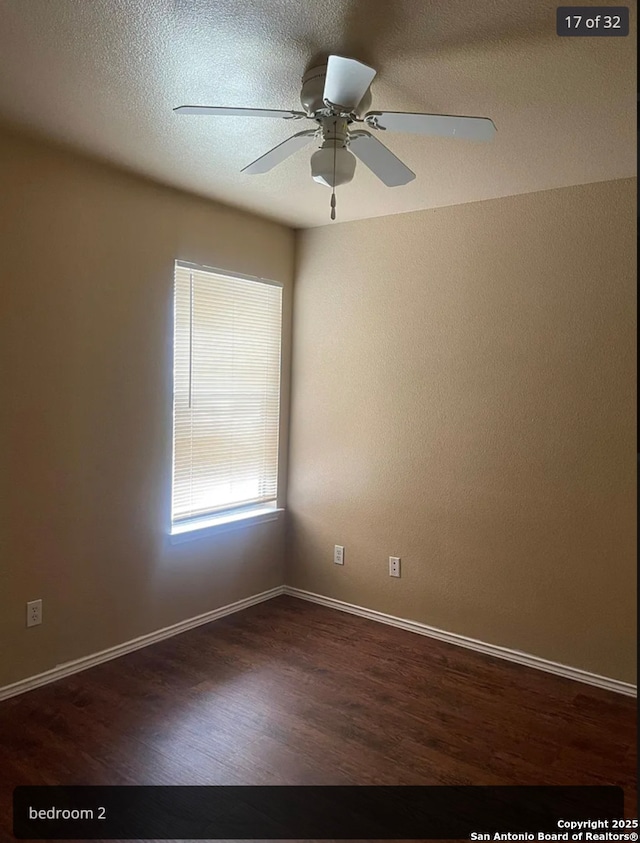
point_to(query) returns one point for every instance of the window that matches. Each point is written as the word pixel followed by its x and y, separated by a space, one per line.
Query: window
pixel 226 397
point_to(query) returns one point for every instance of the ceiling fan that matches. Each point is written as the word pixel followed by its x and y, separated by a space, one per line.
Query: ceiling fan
pixel 336 96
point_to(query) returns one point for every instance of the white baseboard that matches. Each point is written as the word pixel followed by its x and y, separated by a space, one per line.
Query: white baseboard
pixel 68 668
pixel 470 643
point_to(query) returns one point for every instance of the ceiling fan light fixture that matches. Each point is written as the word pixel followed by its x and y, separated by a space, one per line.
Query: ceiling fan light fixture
pixel 333 165
pixel 336 96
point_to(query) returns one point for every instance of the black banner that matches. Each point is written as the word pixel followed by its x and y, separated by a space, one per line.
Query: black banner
pixel 303 813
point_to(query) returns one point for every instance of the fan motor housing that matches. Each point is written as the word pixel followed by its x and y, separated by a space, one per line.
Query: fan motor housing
pixel 313 89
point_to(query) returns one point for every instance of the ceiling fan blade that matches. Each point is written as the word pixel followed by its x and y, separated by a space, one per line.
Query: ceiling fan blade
pixel 442 125
pixel 380 160
pixel 214 111
pixel 347 81
pixel 283 150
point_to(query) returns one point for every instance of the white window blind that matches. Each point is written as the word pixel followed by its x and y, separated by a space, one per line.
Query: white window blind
pixel 226 403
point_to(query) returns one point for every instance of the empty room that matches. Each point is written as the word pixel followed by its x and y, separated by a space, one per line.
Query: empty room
pixel 318 418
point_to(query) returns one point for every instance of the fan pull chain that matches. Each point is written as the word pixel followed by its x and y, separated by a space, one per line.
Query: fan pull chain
pixel 333 186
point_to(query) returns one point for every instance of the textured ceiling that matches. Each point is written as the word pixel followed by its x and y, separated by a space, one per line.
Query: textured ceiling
pixel 103 76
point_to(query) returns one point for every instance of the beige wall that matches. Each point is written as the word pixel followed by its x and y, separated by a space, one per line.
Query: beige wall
pixel 463 397
pixel 85 418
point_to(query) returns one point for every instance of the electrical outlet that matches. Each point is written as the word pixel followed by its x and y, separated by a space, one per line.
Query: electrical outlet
pixel 34 612
pixel 394 566
pixel 338 554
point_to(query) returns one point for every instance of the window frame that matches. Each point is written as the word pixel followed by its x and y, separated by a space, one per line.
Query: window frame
pixel 235 517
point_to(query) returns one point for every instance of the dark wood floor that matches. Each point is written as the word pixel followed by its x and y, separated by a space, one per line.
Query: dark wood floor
pixel 288 692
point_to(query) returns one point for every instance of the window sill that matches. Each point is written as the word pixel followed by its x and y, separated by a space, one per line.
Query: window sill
pixel 222 524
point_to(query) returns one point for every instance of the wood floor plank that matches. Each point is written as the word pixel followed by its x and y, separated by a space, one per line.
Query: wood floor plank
pixel 288 692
